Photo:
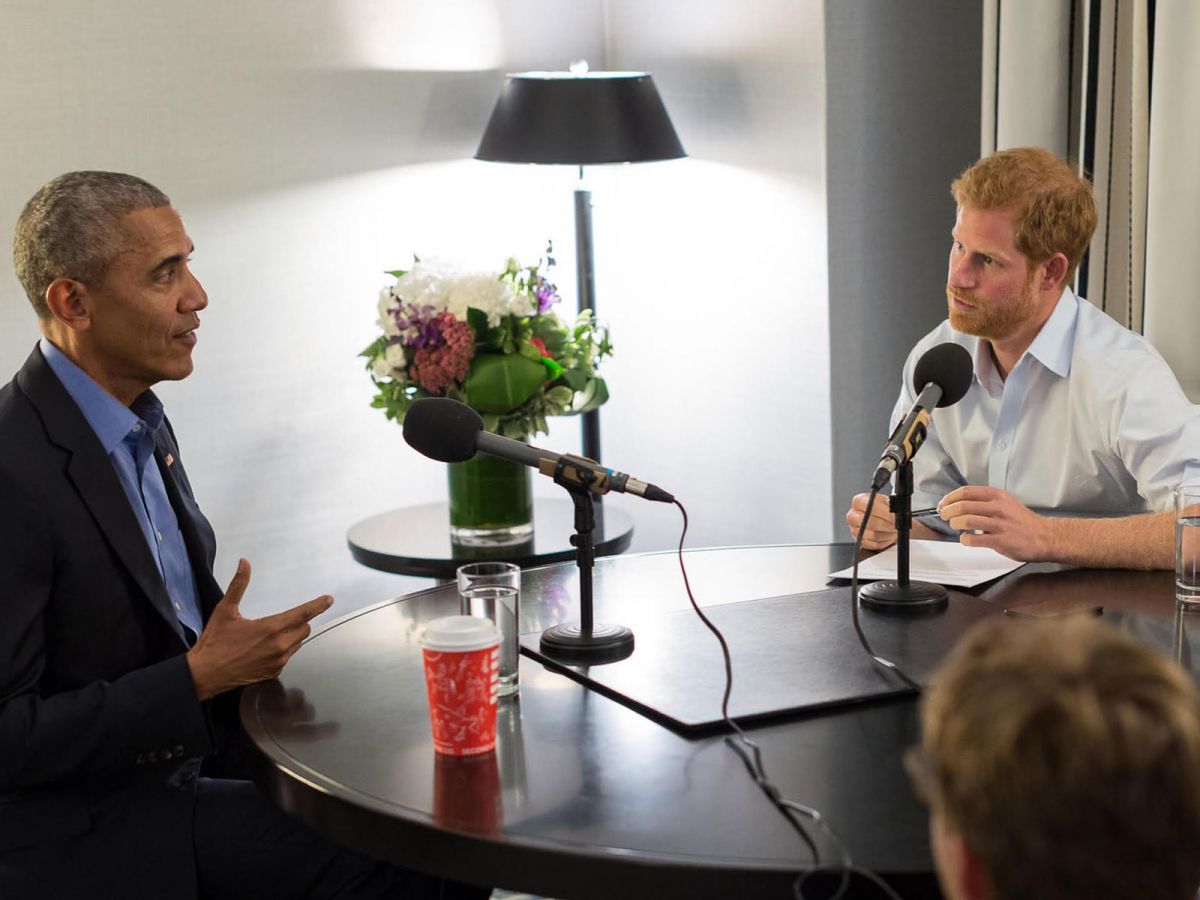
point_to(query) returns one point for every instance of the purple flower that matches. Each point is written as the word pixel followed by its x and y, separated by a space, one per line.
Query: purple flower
pixel 419 326
pixel 547 295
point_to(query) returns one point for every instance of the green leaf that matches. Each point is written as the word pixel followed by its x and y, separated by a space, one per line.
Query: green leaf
pixel 575 379
pixel 517 428
pixel 560 396
pixel 553 335
pixel 478 321
pixel 374 348
pixel 500 383
pixel 491 338
pixel 396 273
pixel 592 397
pixel 553 368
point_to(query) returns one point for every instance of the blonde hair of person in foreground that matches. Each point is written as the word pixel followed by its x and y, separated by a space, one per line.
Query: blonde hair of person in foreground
pixel 1061 759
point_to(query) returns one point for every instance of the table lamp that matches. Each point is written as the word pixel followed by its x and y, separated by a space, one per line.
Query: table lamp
pixel 580 118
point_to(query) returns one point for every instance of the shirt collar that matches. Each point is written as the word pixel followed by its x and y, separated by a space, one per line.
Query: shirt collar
pixel 1052 347
pixel 1055 343
pixel 109 419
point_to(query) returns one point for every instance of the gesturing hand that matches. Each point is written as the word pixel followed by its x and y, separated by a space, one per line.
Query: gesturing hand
pixel 881 529
pixel 233 651
pixel 1005 524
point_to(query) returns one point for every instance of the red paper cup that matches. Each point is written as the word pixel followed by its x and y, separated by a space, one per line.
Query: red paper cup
pixel 462 664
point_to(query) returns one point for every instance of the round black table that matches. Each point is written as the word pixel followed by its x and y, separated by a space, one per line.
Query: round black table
pixel 586 798
pixel 415 540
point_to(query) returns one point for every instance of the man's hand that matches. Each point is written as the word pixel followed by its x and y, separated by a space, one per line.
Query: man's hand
pixel 233 651
pixel 1003 522
pixel 881 529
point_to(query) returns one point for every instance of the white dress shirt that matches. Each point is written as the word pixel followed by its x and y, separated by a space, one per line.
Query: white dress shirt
pixel 1090 422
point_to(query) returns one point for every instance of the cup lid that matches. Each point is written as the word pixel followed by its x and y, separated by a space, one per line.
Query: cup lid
pixel 460 633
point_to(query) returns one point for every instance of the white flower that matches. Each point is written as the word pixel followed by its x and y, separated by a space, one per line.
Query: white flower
pixel 446 288
pixel 483 292
pixel 394 355
pixel 380 367
pixel 424 285
pixel 387 322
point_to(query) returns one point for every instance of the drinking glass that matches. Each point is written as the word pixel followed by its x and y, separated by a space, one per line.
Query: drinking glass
pixel 493 590
pixel 1187 545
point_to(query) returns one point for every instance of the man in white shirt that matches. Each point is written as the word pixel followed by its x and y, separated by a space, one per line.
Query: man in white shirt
pixel 1074 431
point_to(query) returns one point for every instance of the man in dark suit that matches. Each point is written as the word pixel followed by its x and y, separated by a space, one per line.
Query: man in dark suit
pixel 120 656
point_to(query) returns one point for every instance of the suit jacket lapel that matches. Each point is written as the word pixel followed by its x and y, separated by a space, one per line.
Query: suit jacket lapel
pixel 197 533
pixel 91 472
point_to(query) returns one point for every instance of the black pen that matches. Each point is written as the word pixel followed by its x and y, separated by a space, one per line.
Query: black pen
pixel 932 511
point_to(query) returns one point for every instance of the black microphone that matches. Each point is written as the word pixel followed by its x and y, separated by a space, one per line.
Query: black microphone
pixel 941 378
pixel 449 431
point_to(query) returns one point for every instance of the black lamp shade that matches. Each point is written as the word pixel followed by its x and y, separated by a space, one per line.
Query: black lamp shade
pixel 600 117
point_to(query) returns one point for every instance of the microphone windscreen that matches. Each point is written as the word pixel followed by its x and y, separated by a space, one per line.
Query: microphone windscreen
pixel 950 367
pixel 442 429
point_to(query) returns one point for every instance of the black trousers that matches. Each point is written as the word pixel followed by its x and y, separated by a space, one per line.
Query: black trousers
pixel 247 848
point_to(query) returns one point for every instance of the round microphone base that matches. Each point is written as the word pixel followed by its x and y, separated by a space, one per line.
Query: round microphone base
pixel 917 598
pixel 571 644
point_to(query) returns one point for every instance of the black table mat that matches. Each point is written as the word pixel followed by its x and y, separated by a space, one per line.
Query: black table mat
pixel 790 654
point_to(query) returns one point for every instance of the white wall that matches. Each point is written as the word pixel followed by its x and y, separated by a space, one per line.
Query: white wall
pixel 312 145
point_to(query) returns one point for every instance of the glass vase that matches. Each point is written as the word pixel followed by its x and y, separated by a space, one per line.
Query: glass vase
pixel 491 502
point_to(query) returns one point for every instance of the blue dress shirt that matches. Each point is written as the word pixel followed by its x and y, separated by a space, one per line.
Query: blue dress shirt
pixel 127 436
pixel 1090 422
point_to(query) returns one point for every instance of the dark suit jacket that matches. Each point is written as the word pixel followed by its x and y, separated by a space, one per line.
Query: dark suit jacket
pixel 101 734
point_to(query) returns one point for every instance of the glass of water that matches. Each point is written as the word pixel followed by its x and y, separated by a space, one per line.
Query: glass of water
pixel 1187 545
pixel 493 590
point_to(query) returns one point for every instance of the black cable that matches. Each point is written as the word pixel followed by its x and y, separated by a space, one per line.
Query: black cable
pixel 740 743
pixel 753 760
pixel 862 638
pixel 847 871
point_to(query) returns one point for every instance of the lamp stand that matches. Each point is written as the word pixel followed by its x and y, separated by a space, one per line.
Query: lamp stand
pixel 585 277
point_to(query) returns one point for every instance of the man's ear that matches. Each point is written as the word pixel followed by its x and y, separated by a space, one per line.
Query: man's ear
pixel 1055 271
pixel 975 882
pixel 960 870
pixel 65 297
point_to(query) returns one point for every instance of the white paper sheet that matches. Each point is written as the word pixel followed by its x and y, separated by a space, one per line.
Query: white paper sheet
pixel 941 562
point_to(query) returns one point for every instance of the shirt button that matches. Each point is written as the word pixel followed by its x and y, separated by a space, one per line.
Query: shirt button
pixel 1000 445
pixel 158 534
pixel 178 607
pixel 137 427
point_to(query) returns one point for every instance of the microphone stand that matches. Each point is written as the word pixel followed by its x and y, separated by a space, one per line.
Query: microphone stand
pixel 903 597
pixel 585 642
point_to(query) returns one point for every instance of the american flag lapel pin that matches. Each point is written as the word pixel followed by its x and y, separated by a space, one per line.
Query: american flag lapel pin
pixel 170 460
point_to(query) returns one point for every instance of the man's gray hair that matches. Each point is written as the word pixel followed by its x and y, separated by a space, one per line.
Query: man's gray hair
pixel 69 229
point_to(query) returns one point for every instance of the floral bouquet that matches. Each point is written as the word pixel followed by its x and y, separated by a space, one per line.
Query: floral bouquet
pixel 493 342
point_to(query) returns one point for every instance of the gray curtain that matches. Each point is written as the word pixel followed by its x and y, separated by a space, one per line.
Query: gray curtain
pixel 1074 76
pixel 1172 320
